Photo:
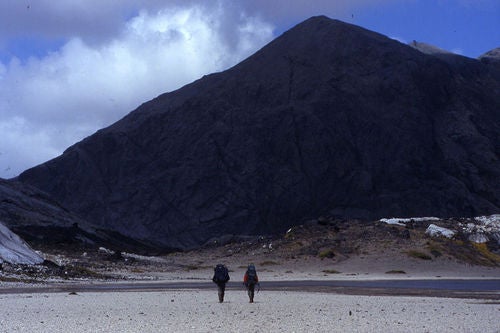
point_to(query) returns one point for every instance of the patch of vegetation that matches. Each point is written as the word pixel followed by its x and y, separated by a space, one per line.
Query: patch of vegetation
pixel 194 267
pixel 419 255
pixel 330 271
pixel 386 244
pixel 473 253
pixel 436 253
pixel 268 263
pixel 191 267
pixel 434 249
pixel 395 272
pixel 326 254
pixel 71 271
pixel 292 247
pixel 13 279
pixel 482 248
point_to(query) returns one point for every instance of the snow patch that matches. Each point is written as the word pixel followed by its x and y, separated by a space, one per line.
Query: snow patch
pixel 104 250
pixel 126 255
pixel 14 250
pixel 402 221
pixel 144 258
pixel 437 231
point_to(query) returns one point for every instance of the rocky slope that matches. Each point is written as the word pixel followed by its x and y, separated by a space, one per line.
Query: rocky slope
pixel 14 250
pixel 44 223
pixel 323 248
pixel 329 118
pixel 491 57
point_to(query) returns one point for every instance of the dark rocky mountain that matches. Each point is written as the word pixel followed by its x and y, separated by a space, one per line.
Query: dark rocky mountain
pixel 328 119
pixel 43 222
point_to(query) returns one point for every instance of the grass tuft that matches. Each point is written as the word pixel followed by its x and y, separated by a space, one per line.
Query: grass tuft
pixel 419 255
pixel 482 248
pixel 394 271
pixel 326 254
pixel 330 271
pixel 191 267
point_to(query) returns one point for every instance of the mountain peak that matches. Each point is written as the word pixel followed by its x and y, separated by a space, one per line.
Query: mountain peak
pixel 327 119
pixel 317 27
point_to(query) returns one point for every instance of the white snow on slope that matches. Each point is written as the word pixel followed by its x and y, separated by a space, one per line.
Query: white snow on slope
pixel 14 250
pixel 479 229
pixel 402 221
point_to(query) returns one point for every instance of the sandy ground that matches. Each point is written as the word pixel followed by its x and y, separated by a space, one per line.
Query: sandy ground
pixel 276 269
pixel 199 311
pixel 274 311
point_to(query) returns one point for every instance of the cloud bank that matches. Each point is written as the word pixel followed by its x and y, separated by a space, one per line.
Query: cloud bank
pixel 51 102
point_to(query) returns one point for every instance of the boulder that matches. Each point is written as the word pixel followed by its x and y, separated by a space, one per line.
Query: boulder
pixel 478 238
pixel 437 231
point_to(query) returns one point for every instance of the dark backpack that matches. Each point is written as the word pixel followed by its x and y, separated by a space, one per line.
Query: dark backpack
pixel 251 274
pixel 221 274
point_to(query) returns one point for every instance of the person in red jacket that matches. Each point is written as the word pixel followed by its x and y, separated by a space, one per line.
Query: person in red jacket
pixel 250 280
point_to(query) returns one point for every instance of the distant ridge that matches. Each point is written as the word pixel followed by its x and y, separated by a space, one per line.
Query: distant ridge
pixel 327 119
pixel 491 57
pixel 427 48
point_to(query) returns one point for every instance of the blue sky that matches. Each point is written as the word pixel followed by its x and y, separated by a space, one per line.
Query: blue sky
pixel 470 28
pixel 71 67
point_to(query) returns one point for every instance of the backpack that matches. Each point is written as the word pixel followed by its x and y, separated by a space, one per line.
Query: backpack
pixel 251 274
pixel 221 273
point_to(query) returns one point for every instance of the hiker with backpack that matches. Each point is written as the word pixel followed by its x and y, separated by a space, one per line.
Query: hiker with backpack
pixel 250 280
pixel 221 276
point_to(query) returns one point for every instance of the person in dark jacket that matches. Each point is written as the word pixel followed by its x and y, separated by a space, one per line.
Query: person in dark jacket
pixel 221 277
pixel 250 280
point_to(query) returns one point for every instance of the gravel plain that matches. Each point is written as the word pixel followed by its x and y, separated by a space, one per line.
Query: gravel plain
pixel 273 311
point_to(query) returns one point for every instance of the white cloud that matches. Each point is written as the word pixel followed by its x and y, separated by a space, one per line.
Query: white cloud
pixel 50 103
pixel 17 133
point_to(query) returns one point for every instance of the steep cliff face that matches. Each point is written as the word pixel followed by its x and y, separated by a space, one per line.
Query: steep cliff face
pixel 329 118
